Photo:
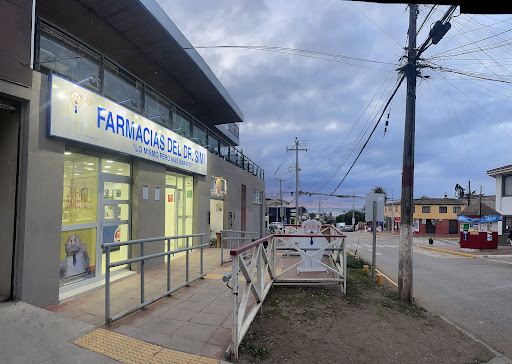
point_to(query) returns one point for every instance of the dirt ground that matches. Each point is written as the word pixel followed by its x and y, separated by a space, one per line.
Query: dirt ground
pixel 368 325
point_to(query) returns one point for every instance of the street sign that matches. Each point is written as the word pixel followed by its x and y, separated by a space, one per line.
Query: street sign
pixel 368 210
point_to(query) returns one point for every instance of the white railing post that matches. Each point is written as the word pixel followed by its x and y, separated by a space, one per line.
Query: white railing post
pixel 236 329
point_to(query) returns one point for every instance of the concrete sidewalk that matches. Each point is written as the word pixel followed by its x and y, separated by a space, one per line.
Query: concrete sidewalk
pixel 30 334
pixel 195 319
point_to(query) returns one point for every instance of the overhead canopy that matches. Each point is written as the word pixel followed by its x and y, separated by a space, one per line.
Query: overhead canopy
pixel 139 36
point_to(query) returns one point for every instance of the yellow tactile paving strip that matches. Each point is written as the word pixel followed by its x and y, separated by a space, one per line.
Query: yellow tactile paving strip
pixel 129 350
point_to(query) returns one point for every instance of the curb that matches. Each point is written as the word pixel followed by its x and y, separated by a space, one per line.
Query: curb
pixel 448 251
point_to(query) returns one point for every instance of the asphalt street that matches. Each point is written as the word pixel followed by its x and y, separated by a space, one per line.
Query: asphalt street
pixel 473 293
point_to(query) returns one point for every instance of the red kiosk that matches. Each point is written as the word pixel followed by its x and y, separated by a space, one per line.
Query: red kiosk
pixel 479 227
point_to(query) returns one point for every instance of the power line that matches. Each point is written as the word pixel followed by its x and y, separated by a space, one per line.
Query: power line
pixel 361 151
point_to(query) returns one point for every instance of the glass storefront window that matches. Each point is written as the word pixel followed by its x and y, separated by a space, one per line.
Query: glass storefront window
pixel 80 189
pixel 116 191
pixel 77 255
pixel 115 233
pixel 114 167
pixel 213 143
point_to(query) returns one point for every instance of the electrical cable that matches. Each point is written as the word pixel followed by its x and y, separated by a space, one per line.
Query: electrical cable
pixel 377 124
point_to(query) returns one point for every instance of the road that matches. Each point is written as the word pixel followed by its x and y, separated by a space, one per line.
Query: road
pixel 474 293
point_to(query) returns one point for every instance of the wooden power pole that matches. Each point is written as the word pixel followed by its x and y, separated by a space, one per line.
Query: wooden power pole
pixel 406 220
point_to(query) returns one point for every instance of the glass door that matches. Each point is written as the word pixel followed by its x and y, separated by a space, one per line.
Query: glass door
pixel 115 210
pixel 179 208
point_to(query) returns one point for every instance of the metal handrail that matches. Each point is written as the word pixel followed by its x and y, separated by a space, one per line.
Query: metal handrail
pixel 239 238
pixel 142 259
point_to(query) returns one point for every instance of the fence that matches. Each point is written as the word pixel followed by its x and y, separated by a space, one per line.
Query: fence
pixel 260 272
pixel 142 259
pixel 233 239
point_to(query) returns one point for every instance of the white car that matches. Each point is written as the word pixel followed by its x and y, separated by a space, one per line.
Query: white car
pixel 274 225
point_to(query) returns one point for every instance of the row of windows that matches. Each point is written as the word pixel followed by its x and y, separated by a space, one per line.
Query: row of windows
pixel 426 209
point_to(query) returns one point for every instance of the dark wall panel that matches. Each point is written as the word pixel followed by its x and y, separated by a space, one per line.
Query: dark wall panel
pixel 15 36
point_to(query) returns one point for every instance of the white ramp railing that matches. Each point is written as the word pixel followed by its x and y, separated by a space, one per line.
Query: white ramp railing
pixel 253 277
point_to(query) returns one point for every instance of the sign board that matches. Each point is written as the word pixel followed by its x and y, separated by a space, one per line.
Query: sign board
pixel 77 113
pixel 368 210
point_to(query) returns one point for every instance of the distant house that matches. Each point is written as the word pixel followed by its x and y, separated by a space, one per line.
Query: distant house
pixel 503 176
pixel 432 215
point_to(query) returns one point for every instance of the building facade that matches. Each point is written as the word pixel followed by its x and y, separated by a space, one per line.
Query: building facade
pixel 114 129
pixel 431 215
pixel 503 176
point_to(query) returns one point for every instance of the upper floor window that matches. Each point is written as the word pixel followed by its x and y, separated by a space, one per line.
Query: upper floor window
pixel 258 196
pixel 121 87
pixel 156 108
pixel 425 209
pixel 413 209
pixel 66 57
pixel 456 209
pixel 396 208
pixel 507 185
pixel 443 209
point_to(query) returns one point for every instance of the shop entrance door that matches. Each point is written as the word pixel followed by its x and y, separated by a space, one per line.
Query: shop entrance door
pixel 114 210
pixel 179 207
pixel 9 122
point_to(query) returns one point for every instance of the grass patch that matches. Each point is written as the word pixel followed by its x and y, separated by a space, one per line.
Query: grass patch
pixel 257 351
pixel 353 263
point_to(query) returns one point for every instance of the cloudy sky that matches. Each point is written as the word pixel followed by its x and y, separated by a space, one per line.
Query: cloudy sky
pixel 332 70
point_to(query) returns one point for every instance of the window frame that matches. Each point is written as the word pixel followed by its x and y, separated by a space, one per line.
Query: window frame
pixel 425 209
pixel 443 209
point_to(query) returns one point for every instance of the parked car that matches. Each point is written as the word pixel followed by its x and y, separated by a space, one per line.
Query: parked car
pixel 348 228
pixel 274 225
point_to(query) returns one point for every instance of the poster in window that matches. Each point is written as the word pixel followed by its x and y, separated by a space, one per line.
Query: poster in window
pixel 78 252
pixel 112 234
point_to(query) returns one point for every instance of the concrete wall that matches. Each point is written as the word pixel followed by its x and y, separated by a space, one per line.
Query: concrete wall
pixel 236 177
pixel 39 201
pixel 148 216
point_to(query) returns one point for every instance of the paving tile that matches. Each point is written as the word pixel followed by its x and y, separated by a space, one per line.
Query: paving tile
pixel 195 331
pixel 192 306
pixel 137 319
pixel 179 314
pixel 90 319
pixel 213 351
pixel 163 325
pixel 187 345
pixel 209 319
pixel 120 329
pixel 202 298
pixel 218 309
pixel 149 336
pixel 224 300
pixel 221 337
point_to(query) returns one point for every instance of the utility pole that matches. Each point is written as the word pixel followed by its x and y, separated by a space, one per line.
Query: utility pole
pixel 296 149
pixel 281 198
pixel 411 72
pixel 319 198
pixel 469 193
pixel 406 221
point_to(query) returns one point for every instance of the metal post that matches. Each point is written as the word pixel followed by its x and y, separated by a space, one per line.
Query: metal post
pixel 374 251
pixel 168 265
pixel 354 210
pixel 186 273
pixel 344 267
pixel 107 286
pixel 201 240
pixel 222 248
pixel 406 220
pixel 142 273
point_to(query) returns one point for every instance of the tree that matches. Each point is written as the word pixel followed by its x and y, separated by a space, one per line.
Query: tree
pixel 347 217
pixel 312 215
pixel 380 189
pixel 461 191
pixel 329 220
